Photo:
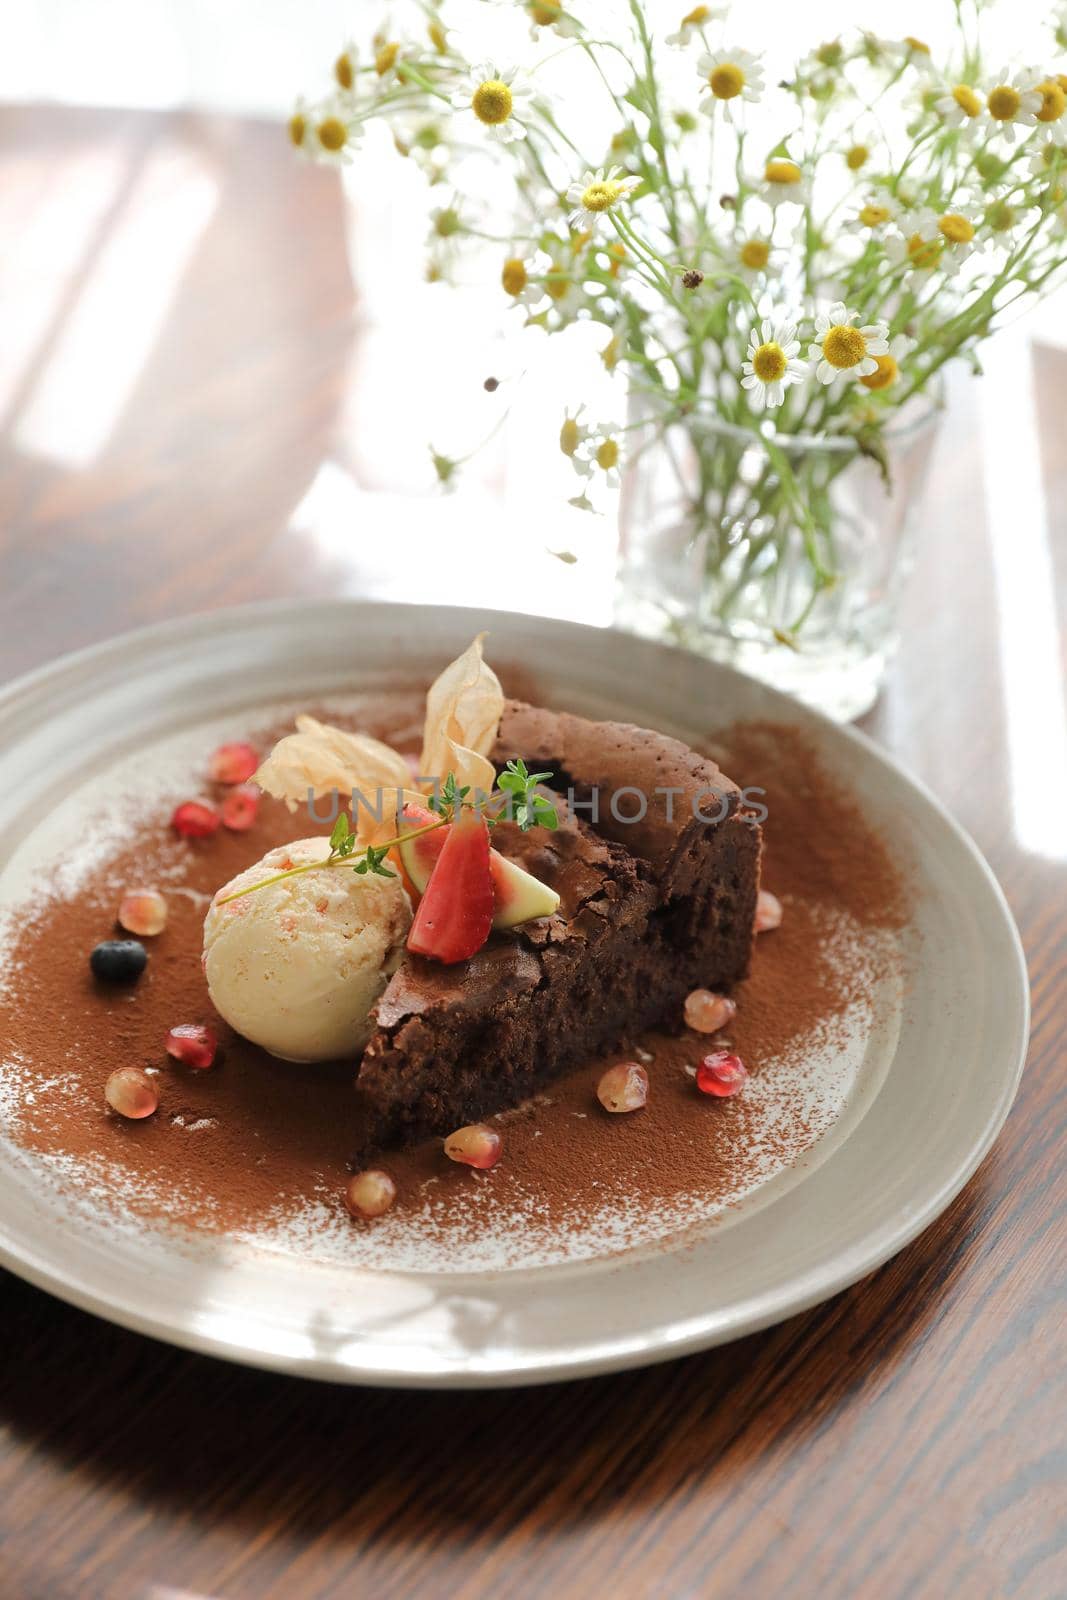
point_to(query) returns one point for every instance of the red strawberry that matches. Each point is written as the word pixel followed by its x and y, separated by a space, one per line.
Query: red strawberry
pixel 456 911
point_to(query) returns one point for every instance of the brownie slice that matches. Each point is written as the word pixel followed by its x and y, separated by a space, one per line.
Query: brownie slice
pixel 650 908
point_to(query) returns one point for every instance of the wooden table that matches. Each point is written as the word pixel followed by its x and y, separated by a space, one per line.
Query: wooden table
pixel 903 1440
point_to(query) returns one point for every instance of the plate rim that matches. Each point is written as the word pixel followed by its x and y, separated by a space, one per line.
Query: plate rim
pixel 790 1296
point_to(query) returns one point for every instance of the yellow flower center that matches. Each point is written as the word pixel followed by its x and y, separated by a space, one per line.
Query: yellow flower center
pixel 924 253
pixel 857 157
pixel 696 18
pixel 332 134
pixel 342 71
pixel 844 347
pixel 611 353
pixel 830 55
pixel 887 373
pixel 782 172
pixel 492 102
pixel 956 229
pixel 916 45
pixel 557 282
pixel 769 363
pixel 600 196
pixel 446 223
pixel 967 100
pixel 617 252
pixel 569 436
pixel 1004 102
pixel 607 455
pixel 1000 216
pixel 438 36
pixel 385 60
pixel 1053 101
pixel 755 253
pixel 297 129
pixel 545 12
pixel 726 80
pixel 513 275
pixel 872 216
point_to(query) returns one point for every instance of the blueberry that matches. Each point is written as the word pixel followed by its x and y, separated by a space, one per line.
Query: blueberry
pixel 119 960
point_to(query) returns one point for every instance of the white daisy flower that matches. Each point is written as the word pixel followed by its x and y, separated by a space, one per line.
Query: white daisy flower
pixel 919 244
pixel 301 128
pixel 730 75
pixel 916 52
pixel 783 181
pixel 1013 102
pixel 876 212
pixel 563 289
pixel 335 134
pixel 549 16
pixel 693 22
pixel 498 99
pixel 519 280
pixel 751 254
pixel 601 457
pixel 887 366
pixel 1049 157
pixel 958 232
pixel 595 194
pixel 846 351
pixel 572 435
pixel 771 363
pixel 959 105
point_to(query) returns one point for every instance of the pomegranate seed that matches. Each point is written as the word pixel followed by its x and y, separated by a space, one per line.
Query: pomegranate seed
pixel 194 820
pixel 240 807
pixel 370 1194
pixel 131 1093
pixel 233 763
pixel 193 1045
pixel 721 1074
pixel 768 911
pixel 475 1146
pixel 623 1088
pixel 706 1012
pixel 143 912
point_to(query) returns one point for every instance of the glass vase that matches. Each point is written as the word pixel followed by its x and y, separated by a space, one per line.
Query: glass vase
pixel 782 555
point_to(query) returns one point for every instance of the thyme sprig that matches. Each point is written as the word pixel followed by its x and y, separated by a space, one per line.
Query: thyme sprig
pixel 515 797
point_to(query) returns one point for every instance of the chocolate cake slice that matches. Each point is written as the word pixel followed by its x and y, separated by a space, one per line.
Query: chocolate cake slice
pixel 656 862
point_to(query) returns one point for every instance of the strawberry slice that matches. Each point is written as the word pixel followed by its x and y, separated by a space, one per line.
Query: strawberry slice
pixel 456 911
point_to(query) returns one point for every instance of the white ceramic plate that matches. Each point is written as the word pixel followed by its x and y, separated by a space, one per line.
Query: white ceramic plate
pixel 938 1076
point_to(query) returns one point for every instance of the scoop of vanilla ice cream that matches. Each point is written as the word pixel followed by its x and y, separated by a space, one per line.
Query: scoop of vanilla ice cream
pixel 297 966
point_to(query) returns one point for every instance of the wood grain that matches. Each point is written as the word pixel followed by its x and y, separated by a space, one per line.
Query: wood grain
pixel 903 1441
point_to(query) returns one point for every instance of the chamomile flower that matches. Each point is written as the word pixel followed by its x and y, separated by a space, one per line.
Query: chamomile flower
pixel 845 351
pixel 888 365
pixel 751 254
pixel 730 75
pixel 959 232
pixel 518 279
pixel 612 353
pixel 573 434
pixel 1053 99
pixel 915 52
pixel 694 22
pixel 603 457
pixel 499 100
pixel 594 196
pixel 563 289
pixel 959 105
pixel 550 16
pixel 345 68
pixel 876 212
pixel 300 128
pixel 919 244
pixel 1049 158
pixel 771 363
pixel 1012 103
pixel 783 181
pixel 334 135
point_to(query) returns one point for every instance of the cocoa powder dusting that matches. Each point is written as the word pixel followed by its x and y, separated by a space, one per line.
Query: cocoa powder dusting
pixel 255 1143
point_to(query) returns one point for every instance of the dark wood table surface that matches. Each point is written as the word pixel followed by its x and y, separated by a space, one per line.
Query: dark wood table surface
pixel 905 1439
